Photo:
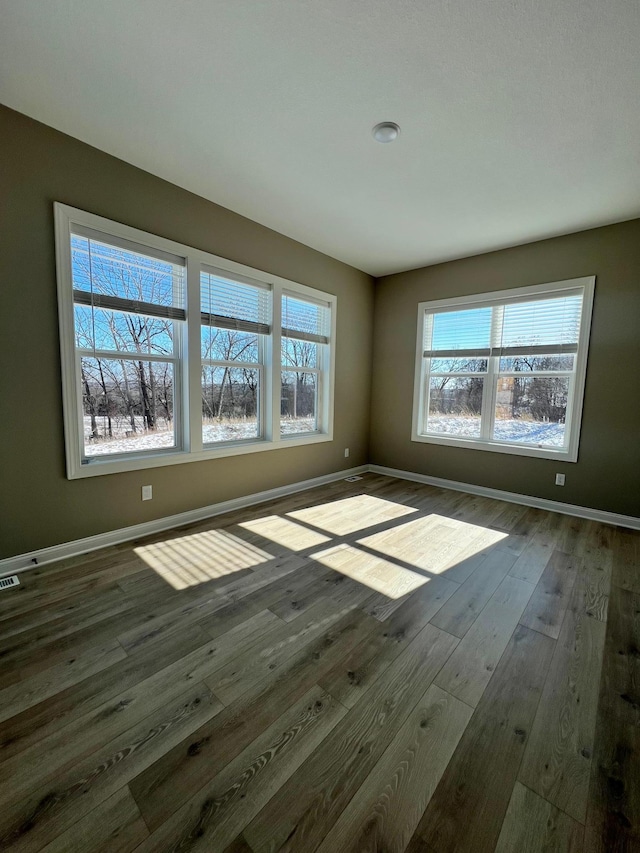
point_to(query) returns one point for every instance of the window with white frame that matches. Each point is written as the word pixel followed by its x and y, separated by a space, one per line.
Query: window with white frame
pixel 129 313
pixel 305 339
pixel 236 329
pixel 505 371
pixel 170 354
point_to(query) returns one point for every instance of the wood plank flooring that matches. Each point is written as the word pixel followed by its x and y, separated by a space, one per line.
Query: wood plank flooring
pixel 368 666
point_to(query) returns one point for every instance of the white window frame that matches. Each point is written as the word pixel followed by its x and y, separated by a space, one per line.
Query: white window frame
pixel 264 346
pixel 319 371
pixel 426 310
pixel 187 394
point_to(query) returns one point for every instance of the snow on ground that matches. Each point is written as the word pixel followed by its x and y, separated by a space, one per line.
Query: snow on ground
pixel 532 432
pixel 164 438
pixel 289 426
pixel 139 441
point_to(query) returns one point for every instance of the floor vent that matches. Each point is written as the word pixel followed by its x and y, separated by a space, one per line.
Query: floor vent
pixel 5 583
pixel 352 479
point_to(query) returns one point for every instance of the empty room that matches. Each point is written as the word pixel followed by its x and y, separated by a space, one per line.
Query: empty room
pixel 320 444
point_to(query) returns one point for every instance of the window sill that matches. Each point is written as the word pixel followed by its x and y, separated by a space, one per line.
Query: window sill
pixel 559 453
pixel 99 465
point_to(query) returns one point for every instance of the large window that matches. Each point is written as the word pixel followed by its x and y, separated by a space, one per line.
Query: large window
pixel 128 321
pixel 505 371
pixel 305 339
pixel 236 327
pixel 170 354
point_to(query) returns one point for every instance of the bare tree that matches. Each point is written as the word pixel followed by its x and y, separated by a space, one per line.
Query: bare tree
pixel 113 273
pixel 226 345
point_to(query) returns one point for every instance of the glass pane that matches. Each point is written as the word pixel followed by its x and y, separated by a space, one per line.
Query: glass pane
pixel 230 404
pixel 531 410
pixel 127 406
pixel 299 402
pixel 542 321
pixel 470 329
pixel 122 332
pixel 297 353
pixel 458 365
pixel 228 345
pixel 112 271
pixel 455 405
pixel 530 363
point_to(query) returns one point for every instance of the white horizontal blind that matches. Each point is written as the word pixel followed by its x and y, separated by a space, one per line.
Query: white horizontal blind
pixel 228 303
pixel 525 326
pixel 305 320
pixel 549 325
pixel 111 276
pixel 458 334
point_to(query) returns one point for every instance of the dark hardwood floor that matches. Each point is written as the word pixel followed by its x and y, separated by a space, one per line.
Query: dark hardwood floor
pixel 367 666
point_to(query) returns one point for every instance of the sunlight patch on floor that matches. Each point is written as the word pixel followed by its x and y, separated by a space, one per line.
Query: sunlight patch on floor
pixel 285 532
pixel 351 514
pixel 430 544
pixel 201 557
pixel 375 572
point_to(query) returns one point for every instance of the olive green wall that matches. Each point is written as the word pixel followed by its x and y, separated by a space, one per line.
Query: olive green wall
pixel 607 474
pixel 38 505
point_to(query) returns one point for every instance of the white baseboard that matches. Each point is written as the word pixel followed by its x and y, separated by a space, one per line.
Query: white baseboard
pixel 526 500
pixel 22 562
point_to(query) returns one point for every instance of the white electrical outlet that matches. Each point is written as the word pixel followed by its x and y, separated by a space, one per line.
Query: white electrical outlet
pixel 559 479
pixel 346 452
pixel 147 493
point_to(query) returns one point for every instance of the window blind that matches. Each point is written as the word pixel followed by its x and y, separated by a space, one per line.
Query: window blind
pixel 524 326
pixel 541 325
pixel 236 304
pixel 305 320
pixel 131 306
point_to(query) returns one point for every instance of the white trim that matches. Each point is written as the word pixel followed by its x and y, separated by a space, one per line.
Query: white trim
pixel 497 446
pixel 513 497
pixel 167 456
pixel 23 562
pixel 572 286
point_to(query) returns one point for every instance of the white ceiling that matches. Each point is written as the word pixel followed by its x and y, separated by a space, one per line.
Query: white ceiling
pixel 520 118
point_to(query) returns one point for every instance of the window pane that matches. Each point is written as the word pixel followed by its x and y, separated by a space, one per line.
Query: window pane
pixel 455 405
pixel 531 410
pixel 299 402
pixel 458 365
pixel 113 271
pixel 230 404
pixel 228 345
pixel 297 353
pixel 530 363
pixel 470 329
pixel 127 406
pixel 122 332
